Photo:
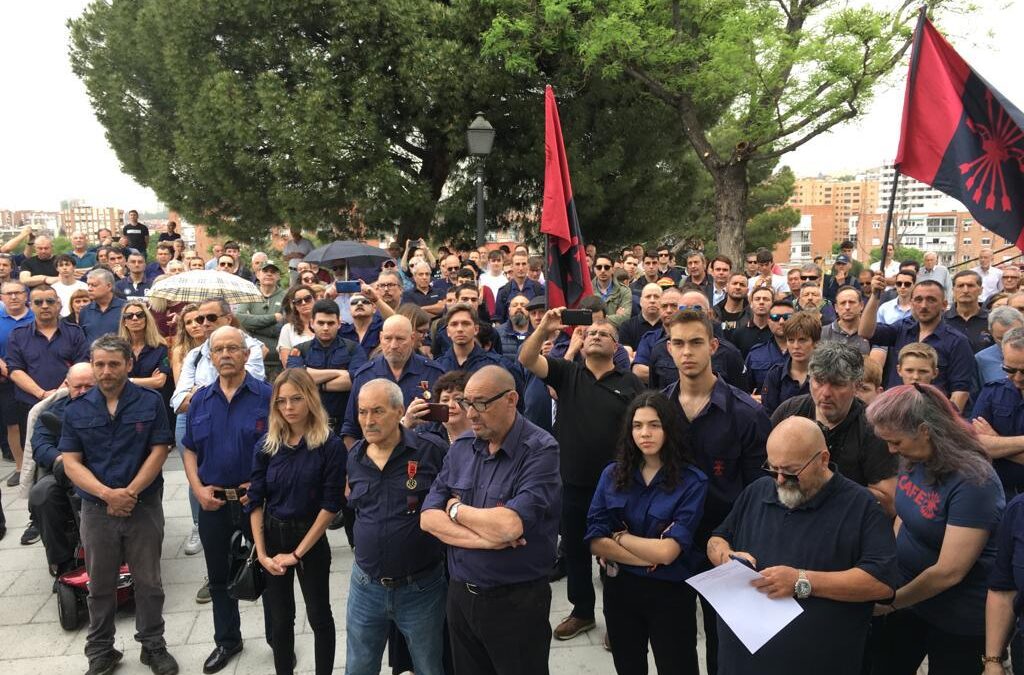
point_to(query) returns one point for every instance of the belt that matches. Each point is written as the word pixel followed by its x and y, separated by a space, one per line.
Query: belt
pixel 398 582
pixel 287 525
pixel 230 494
pixel 499 590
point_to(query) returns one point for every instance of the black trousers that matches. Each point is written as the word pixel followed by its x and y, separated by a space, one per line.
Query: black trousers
pixel 710 635
pixel 49 504
pixel 579 562
pixel 905 639
pixel 279 596
pixel 638 611
pixel 215 531
pixel 500 632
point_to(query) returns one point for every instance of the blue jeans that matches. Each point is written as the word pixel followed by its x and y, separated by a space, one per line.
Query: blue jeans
pixel 179 433
pixel 418 611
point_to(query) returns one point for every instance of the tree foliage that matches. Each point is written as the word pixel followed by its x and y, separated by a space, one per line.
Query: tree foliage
pixel 348 118
pixel 746 80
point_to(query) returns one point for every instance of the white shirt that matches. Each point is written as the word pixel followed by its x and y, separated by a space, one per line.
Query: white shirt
pixel 65 291
pixel 991 281
pixel 891 268
pixel 288 339
pixel 780 285
pixel 493 282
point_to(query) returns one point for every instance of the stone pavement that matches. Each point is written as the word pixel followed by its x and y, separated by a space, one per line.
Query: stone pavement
pixel 33 643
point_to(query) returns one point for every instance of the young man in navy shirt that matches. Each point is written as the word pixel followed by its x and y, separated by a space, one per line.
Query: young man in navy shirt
pixel 114 441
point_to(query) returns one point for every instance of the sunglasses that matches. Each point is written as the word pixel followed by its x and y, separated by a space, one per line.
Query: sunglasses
pixel 904 284
pixel 355 302
pixel 451 269
pixel 775 473
pixel 779 317
pixel 304 300
pixel 1012 371
pixel 39 302
pixel 207 318
pixel 803 278
pixel 602 267
pixel 133 315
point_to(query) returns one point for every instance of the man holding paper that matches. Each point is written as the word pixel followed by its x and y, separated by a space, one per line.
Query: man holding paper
pixel 814 535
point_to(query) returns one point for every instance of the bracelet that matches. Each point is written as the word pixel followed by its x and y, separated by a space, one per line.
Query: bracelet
pixel 992 659
pixel 617 537
pixel 296 556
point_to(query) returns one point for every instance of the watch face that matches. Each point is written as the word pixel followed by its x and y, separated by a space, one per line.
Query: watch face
pixel 803 588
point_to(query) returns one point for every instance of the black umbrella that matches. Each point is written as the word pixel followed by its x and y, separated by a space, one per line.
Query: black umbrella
pixel 353 253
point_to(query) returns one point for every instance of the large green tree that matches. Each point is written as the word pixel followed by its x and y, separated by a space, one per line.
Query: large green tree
pixel 747 81
pixel 348 117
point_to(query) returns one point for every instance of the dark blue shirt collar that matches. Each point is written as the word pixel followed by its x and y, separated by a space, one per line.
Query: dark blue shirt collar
pixel 510 445
pixel 97 400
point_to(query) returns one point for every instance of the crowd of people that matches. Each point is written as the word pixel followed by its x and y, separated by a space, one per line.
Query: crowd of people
pixel 855 435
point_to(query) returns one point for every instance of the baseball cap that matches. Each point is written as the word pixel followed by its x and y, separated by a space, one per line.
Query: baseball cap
pixel 843 260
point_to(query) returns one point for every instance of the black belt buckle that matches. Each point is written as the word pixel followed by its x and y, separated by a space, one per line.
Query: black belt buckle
pixel 388 582
pixel 230 494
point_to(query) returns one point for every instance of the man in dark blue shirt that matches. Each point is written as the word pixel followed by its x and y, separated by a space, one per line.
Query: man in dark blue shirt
pixel 465 353
pixel 103 314
pixel 422 294
pixel 114 441
pixel 135 283
pixel 329 359
pixel 999 416
pixel 496 505
pixel 816 535
pixel 225 419
pixel 519 283
pixel 957 370
pixel 14 313
pixel 397 564
pixel 366 320
pixel 412 372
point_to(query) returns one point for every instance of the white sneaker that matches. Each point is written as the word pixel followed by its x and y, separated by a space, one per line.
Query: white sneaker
pixel 193 544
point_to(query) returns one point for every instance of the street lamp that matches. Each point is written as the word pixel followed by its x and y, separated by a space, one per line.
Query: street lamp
pixel 480 138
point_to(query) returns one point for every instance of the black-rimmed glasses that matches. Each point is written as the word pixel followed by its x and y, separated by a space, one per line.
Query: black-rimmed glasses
pixel 479 406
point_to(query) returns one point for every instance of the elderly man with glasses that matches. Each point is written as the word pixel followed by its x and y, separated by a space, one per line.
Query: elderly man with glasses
pixel 16 313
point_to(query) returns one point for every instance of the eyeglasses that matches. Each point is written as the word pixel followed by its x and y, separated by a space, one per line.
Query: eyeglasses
pixel 39 302
pixel 133 315
pixel 451 269
pixel 904 284
pixel 779 317
pixel 226 349
pixel 600 334
pixel 602 267
pixel 390 285
pixel 14 294
pixel 775 473
pixel 691 308
pixel 388 264
pixel 809 278
pixel 285 401
pixel 304 300
pixel 355 302
pixel 479 406
pixel 752 261
pixel 210 318
pixel 663 255
pixel 1012 371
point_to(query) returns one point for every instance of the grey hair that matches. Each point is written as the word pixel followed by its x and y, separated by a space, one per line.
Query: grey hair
pixel 106 276
pixel 394 393
pixel 1004 316
pixel 1013 338
pixel 420 265
pixel 836 363
pixel 112 343
pixel 225 306
pixel 810 267
pixel 390 273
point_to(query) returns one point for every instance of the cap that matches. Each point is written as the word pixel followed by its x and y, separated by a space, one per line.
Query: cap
pixel 539 302
pixel 843 260
pixel 271 266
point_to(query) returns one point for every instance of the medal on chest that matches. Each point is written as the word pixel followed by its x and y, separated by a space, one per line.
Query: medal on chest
pixel 410 471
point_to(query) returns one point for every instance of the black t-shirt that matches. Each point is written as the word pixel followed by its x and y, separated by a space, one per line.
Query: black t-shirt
pixel 860 455
pixel 729 320
pixel 168 236
pixel 589 417
pixel 746 336
pixel 137 235
pixel 36 267
pixel 840 528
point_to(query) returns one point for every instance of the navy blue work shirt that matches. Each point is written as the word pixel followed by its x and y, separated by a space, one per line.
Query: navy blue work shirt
pixel 975 329
pixel 45 441
pixel 760 360
pixel 128 288
pixel 223 433
pixel 1002 406
pixel 387 534
pixel 45 361
pixel 477 359
pixel 728 440
pixel 96 322
pixel 151 359
pixel 296 483
pixel 653 512
pixel 114 448
pixel 339 354
pixel 780 386
pixel 652 337
pixel 370 340
pixel 956 360
pixel 417 369
pixel 530 289
pixel 421 298
pixel 523 476
pixel 726 362
pixel 841 527
pixel 1008 569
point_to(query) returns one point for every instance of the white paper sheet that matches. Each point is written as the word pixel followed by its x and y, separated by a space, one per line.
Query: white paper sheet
pixel 753 616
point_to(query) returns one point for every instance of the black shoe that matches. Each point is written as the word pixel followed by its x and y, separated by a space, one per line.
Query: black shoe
pixel 105 664
pixel 14 479
pixel 219 658
pixel 3 530
pixel 159 661
pixel 30 535
pixel 558 571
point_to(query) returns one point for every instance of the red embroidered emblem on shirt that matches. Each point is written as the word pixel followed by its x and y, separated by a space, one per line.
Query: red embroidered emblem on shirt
pixel 140 428
pixel 261 425
pixel 718 468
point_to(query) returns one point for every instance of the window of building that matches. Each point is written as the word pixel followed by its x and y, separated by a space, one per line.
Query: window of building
pixel 986 241
pixel 967 241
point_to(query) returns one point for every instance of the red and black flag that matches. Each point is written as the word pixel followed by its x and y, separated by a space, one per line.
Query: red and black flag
pixel 962 137
pixel 568 280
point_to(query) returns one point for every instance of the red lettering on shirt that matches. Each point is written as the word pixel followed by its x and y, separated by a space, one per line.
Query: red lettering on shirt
pixel 927 501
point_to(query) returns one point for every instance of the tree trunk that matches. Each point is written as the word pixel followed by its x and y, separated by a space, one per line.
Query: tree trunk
pixel 731 191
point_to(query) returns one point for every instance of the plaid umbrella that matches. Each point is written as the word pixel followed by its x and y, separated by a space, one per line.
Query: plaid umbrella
pixel 203 285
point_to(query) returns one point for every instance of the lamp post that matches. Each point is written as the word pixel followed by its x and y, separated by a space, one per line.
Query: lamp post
pixel 479 139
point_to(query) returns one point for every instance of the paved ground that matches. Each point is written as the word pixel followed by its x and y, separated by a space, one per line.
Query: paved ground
pixel 33 643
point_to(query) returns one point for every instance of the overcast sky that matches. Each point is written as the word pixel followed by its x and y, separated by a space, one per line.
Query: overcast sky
pixel 53 148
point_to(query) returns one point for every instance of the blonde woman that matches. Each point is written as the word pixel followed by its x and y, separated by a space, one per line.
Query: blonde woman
pixel 297 483
pixel 150 364
pixel 190 335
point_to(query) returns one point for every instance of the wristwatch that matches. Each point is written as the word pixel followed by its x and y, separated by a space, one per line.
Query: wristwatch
pixel 453 512
pixel 802 587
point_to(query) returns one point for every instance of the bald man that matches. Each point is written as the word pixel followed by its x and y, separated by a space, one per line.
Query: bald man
pixel 496 503
pixel 398 362
pixel 646 317
pixel 814 535
pixel 49 500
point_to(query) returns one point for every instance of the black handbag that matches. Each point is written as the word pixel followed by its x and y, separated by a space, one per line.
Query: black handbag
pixel 245 576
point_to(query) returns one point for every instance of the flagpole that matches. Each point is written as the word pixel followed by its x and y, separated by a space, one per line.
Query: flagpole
pixel 888 220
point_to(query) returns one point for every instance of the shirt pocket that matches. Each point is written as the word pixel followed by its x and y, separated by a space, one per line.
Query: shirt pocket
pixel 200 428
pixel 1003 419
pixel 660 515
pixel 463 489
pixel 357 496
pixel 138 422
pixel 92 430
